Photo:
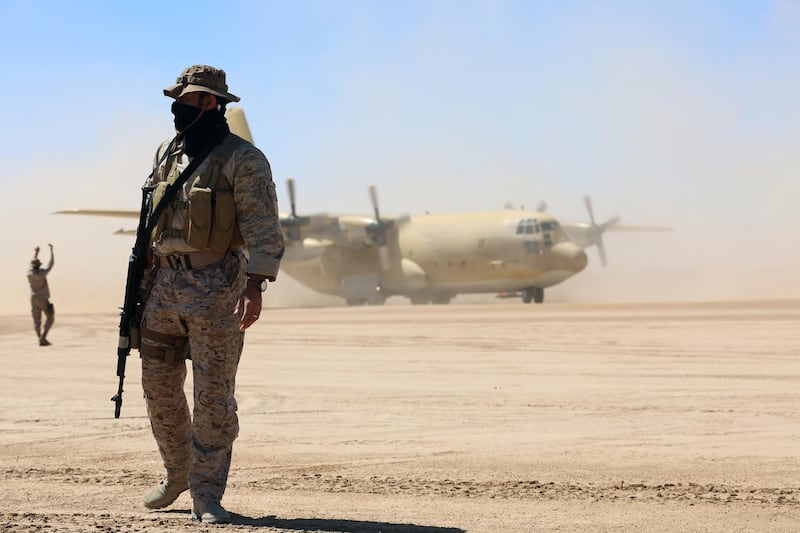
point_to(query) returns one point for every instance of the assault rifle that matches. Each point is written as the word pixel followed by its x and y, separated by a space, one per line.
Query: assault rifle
pixel 136 295
pixel 131 314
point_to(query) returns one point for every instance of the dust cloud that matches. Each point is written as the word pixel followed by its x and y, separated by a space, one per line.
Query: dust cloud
pixel 91 265
pixel 720 249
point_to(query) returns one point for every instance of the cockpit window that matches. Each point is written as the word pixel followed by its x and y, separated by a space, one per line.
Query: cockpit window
pixel 528 226
pixel 550 226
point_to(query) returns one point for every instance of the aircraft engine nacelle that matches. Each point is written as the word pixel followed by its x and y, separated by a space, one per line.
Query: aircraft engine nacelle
pixel 403 277
pixel 354 230
pixel 414 278
pixel 566 257
pixel 306 249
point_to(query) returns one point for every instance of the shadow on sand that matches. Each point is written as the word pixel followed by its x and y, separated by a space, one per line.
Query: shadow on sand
pixel 341 526
pixel 327 524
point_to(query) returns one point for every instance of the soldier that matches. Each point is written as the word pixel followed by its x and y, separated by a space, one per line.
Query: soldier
pixel 40 296
pixel 214 249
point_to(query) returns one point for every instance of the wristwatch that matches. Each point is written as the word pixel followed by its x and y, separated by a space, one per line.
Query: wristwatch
pixel 261 283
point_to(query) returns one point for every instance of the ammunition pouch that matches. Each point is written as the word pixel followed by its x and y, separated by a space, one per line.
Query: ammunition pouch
pixel 161 224
pixel 210 220
pixel 174 348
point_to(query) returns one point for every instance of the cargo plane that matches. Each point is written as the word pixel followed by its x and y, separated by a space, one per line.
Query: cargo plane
pixel 429 258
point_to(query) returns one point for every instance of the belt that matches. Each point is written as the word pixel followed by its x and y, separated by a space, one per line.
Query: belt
pixel 190 260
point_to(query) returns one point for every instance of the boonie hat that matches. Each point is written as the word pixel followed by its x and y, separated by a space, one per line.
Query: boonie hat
pixel 201 78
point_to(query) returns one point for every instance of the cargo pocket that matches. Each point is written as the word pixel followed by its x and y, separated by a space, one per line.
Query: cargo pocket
pixel 199 217
pixel 224 218
pixel 158 194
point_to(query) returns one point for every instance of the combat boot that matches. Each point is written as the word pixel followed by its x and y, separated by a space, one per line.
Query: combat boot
pixel 164 494
pixel 43 341
pixel 210 512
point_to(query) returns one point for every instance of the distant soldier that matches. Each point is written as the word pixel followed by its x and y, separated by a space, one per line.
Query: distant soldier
pixel 215 248
pixel 40 296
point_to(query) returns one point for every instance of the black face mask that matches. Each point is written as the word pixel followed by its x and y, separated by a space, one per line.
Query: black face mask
pixel 207 127
pixel 184 115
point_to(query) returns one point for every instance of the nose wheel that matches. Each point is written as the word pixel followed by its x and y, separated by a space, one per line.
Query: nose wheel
pixel 534 294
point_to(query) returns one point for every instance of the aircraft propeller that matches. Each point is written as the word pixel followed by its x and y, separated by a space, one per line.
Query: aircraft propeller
pixel 594 234
pixel 377 228
pixel 291 224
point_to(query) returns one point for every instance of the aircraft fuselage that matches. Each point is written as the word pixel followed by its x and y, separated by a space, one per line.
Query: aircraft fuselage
pixel 435 257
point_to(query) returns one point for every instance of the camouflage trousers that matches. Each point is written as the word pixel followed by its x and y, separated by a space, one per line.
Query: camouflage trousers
pixel 39 306
pixel 197 304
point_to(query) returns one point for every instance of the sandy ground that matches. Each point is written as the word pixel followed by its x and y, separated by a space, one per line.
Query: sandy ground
pixel 448 419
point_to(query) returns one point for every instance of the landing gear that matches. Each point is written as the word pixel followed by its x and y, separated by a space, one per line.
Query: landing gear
pixel 527 295
pixel 441 299
pixel 535 294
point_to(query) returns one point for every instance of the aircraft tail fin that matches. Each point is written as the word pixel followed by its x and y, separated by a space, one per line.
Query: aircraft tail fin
pixel 238 123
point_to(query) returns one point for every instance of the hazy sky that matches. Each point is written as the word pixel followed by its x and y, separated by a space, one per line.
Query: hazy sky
pixel 680 113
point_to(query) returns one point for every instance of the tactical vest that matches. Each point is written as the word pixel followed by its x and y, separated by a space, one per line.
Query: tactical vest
pixel 210 220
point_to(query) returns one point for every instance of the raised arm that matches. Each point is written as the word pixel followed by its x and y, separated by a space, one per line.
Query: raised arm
pixel 50 264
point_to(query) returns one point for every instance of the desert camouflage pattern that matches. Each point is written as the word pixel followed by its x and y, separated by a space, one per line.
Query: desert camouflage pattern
pixel 256 206
pixel 40 295
pixel 37 278
pixel 197 304
pixel 204 78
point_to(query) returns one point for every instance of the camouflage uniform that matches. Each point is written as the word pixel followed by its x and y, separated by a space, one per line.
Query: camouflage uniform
pixel 197 304
pixel 40 299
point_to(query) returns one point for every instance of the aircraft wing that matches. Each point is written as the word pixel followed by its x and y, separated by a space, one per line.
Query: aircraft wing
pixel 123 213
pixel 310 236
pixel 320 228
pixel 120 213
pixel 328 228
pixel 342 230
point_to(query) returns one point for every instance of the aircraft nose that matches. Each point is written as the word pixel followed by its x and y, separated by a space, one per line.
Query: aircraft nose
pixel 568 256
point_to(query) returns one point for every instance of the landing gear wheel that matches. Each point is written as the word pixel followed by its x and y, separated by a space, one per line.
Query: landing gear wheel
pixel 538 295
pixel 527 295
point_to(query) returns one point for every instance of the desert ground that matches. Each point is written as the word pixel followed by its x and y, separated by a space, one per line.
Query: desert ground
pixel 646 417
